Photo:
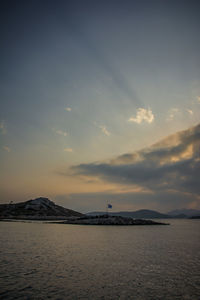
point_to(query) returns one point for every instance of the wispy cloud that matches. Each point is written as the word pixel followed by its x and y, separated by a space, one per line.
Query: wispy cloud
pixel 60 132
pixel 172 113
pixel 190 111
pixel 68 150
pixel 143 115
pixel 6 148
pixel 104 130
pixel 3 127
pixel 68 109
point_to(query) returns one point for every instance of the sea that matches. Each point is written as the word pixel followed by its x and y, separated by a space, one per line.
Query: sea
pixel 57 261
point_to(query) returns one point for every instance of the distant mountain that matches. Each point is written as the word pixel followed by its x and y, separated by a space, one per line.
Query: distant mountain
pixel 184 211
pixel 39 208
pixel 139 214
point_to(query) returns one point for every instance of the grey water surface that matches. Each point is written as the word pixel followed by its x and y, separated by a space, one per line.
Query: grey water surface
pixel 57 261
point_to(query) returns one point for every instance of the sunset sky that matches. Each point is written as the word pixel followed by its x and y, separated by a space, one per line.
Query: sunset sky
pixel 86 89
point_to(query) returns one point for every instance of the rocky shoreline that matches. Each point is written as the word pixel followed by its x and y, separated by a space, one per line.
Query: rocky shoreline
pixel 108 220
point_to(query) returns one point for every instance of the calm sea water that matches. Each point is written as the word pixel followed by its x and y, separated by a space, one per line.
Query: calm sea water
pixel 54 261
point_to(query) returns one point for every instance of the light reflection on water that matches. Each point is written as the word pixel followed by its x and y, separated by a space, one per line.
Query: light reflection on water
pixel 56 261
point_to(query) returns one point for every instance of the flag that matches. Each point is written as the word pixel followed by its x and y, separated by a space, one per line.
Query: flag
pixel 109 206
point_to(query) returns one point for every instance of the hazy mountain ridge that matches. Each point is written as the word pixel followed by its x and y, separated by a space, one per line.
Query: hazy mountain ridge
pixel 37 208
pixel 147 213
pixel 185 211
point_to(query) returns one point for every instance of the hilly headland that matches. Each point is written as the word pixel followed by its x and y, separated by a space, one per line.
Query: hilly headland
pixel 37 209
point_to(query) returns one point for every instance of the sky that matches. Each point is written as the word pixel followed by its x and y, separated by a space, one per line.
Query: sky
pixel 100 101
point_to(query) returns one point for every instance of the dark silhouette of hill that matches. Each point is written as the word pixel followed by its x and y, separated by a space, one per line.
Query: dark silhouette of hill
pixel 39 208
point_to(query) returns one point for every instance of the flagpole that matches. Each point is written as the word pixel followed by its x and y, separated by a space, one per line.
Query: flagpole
pixel 107 208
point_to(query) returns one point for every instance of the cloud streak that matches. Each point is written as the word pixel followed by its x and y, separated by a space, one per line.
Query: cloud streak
pixel 104 130
pixel 162 167
pixel 3 127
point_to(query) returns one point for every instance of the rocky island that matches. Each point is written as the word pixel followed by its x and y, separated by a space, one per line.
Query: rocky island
pixel 109 220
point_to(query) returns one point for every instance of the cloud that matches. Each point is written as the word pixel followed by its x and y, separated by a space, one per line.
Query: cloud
pixel 190 111
pixel 162 167
pixel 6 148
pixel 68 109
pixel 68 150
pixel 172 113
pixel 104 130
pixel 3 127
pixel 198 98
pixel 60 132
pixel 143 115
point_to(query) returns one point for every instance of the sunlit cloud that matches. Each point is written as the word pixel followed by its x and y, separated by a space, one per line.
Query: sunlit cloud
pixel 159 168
pixel 190 111
pixel 143 115
pixel 6 148
pixel 68 150
pixel 104 130
pixel 68 109
pixel 198 99
pixel 3 128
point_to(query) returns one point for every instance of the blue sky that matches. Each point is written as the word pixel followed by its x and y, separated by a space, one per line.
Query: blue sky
pixel 86 81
